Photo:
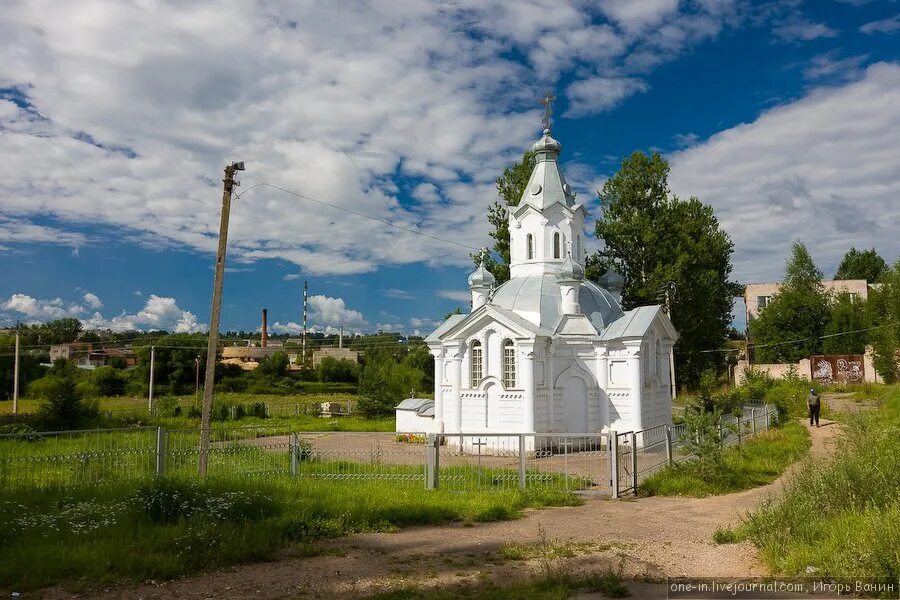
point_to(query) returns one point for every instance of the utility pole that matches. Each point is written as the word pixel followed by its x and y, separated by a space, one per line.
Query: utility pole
pixel 152 361
pixel 305 301
pixel 213 341
pixel 197 377
pixel 16 378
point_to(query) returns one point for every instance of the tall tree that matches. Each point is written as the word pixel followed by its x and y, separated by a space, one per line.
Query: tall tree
pixel 791 326
pixel 884 312
pixel 846 316
pixel 510 186
pixel 865 264
pixel 652 238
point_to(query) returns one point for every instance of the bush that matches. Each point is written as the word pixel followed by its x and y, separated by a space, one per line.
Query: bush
pixel 167 407
pixel 64 407
pixel 108 381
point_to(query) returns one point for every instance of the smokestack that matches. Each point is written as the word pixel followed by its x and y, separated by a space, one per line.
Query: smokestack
pixel 341 338
pixel 265 329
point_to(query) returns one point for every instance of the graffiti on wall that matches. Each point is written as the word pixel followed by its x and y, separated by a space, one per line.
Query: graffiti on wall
pixel 843 368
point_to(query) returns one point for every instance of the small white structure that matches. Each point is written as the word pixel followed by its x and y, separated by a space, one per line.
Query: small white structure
pixel 547 351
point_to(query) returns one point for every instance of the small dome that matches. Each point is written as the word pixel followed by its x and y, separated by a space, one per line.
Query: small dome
pixel 546 144
pixel 481 277
pixel 612 281
pixel 570 271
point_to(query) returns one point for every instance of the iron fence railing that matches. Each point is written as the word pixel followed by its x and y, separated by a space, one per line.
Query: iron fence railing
pixel 613 462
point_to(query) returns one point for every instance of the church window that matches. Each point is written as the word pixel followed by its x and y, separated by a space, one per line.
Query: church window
pixel 529 249
pixel 556 245
pixel 477 363
pixel 509 364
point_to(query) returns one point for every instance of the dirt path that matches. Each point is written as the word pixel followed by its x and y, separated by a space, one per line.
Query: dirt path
pixel 647 538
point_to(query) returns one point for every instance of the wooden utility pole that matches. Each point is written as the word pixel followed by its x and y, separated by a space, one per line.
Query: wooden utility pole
pixel 213 342
pixel 16 378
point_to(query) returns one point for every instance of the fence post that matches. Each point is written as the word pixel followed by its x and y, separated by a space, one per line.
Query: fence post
pixel 768 414
pixel 740 440
pixel 162 439
pixel 634 478
pixel 267 412
pixel 613 444
pixel 295 453
pixel 753 419
pixel 522 461
pixel 669 458
pixel 432 445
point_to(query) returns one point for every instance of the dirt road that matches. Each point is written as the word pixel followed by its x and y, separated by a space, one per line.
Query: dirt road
pixel 647 538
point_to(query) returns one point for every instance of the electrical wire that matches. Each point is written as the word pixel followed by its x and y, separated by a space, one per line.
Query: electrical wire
pixel 797 341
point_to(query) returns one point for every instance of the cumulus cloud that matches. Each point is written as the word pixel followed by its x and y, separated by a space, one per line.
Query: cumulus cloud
pixel 41 310
pixel 158 314
pixel 324 310
pixel 398 294
pixel 822 169
pixel 92 301
pixel 598 94
pixel 128 112
pixel 801 29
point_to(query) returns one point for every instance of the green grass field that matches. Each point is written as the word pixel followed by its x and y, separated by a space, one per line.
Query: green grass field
pixel 756 462
pixel 166 528
pixel 839 517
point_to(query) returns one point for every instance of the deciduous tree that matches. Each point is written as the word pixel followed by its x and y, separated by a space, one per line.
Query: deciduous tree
pixel 861 264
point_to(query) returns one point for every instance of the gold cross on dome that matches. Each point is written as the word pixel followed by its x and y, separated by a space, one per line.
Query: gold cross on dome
pixel 547 103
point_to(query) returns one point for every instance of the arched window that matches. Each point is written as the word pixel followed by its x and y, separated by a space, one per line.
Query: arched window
pixel 509 364
pixel 556 245
pixel 477 363
pixel 529 246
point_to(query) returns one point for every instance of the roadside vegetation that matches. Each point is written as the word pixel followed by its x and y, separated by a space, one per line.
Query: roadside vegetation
pixel 839 517
pixel 166 528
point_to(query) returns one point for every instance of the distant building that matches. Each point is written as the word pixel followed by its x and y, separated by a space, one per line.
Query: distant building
pixel 86 356
pixel 336 353
pixel 70 351
pixel 758 295
pixel 248 357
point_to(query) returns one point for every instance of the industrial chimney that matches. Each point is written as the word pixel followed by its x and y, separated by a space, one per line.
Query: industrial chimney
pixel 264 338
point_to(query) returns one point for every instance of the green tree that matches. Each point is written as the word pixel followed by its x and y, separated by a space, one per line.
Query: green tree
pixel 791 326
pixel 510 186
pixel 846 315
pixel 64 407
pixel 384 382
pixel 883 307
pixel 337 370
pixel 62 330
pixel 865 264
pixel 275 364
pixel 652 238
pixel 108 381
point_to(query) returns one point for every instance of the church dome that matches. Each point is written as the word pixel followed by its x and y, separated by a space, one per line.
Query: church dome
pixel 546 144
pixel 481 277
pixel 570 271
pixel 537 298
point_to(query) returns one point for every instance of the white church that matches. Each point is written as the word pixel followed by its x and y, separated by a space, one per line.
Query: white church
pixel 547 351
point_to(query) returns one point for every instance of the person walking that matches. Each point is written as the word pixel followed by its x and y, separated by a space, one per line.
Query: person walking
pixel 813 404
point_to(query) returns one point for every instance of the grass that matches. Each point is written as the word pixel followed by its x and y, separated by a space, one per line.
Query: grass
pixel 166 528
pixel 840 518
pixel 754 463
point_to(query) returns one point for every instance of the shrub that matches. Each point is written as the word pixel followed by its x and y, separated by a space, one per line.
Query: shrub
pixel 64 407
pixel 167 407
pixel 108 381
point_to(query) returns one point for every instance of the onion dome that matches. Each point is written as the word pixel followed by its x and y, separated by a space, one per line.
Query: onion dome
pixel 481 277
pixel 546 145
pixel 570 271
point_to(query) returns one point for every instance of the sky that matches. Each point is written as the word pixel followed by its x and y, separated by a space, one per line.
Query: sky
pixel 117 118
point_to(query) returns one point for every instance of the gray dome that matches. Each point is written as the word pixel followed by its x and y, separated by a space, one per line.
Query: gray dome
pixel 570 271
pixel 481 277
pixel 537 298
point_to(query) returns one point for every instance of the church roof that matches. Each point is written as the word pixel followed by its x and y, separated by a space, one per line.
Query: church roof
pixel 546 186
pixel 636 322
pixel 452 320
pixel 537 298
pixel 423 407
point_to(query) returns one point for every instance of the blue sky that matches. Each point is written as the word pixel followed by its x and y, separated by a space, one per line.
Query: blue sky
pixel 116 120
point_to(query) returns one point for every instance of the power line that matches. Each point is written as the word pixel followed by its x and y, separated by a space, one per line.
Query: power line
pixel 797 341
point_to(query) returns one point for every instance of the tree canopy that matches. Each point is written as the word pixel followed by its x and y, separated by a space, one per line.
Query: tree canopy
pixel 861 264
pixel 510 186
pixel 653 237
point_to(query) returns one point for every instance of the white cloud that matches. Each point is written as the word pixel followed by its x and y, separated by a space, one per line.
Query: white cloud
pixel 135 110
pixel 43 310
pixel 456 295
pixel 324 310
pixel 398 294
pixel 801 29
pixel 822 169
pixel 159 313
pixel 827 66
pixel 889 25
pixel 93 301
pixel 598 94
pixel 423 322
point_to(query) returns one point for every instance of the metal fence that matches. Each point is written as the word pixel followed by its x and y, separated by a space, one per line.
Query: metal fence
pixel 613 463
